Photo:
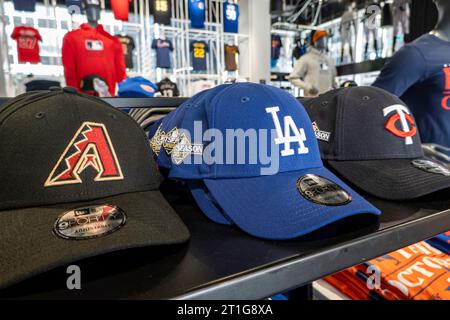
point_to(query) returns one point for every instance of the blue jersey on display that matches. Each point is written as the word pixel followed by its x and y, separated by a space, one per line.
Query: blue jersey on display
pixel 230 17
pixel 197 13
pixel 163 48
pixel 419 73
pixel 25 5
pixel 199 50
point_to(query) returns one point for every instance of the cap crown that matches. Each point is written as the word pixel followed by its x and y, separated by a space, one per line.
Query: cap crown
pixel 364 123
pixel 249 107
pixel 60 147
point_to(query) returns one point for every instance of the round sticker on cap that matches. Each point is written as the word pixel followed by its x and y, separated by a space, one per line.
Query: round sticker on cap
pixel 89 222
pixel 320 190
pixel 431 167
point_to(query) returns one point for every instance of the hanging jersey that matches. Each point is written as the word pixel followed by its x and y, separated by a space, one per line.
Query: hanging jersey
pixel 87 51
pixel 25 5
pixel 197 9
pixel 119 59
pixel 74 6
pixel 276 47
pixel 27 39
pixel 162 11
pixel 231 55
pixel 230 17
pixel 127 48
pixel 163 48
pixel 198 51
pixel 424 88
pixel 121 9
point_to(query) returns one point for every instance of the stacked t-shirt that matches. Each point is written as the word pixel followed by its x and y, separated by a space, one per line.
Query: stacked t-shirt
pixel 231 17
pixel 163 48
pixel 162 11
pixel 92 51
pixel 441 242
pixel 199 50
pixel 231 54
pixel 167 88
pixel 197 9
pixel 127 48
pixel 27 43
pixel 417 272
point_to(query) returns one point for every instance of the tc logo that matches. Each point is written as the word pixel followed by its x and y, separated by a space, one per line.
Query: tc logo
pixel 289 126
pixel 90 147
pixel 401 113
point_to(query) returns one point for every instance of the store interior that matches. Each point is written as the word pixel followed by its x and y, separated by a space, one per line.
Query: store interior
pixel 107 117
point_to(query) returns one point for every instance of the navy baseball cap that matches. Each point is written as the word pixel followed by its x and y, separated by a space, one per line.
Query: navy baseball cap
pixel 296 198
pixel 370 137
pixel 165 135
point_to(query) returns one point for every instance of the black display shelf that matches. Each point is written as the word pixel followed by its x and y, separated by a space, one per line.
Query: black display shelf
pixel 222 262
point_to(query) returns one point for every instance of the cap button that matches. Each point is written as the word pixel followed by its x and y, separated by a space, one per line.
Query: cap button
pixel 70 90
pixel 55 88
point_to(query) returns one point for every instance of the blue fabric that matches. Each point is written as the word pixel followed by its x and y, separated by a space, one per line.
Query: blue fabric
pixel 230 17
pixel 268 206
pixel 25 5
pixel 198 54
pixel 163 49
pixel 419 73
pixel 137 87
pixel 441 242
pixel 197 9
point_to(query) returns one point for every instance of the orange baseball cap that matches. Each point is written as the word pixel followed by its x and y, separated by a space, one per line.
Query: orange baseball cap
pixel 319 34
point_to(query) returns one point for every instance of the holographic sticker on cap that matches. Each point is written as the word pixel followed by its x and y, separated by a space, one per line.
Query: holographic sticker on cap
pixel 185 148
pixel 431 167
pixel 322 191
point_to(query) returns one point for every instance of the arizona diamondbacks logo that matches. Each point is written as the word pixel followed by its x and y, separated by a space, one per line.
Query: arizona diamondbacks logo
pixel 90 147
pixel 289 126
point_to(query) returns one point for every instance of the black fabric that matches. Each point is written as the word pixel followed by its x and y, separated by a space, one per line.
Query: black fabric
pixel 423 18
pixel 394 179
pixel 36 85
pixel 127 47
pixel 87 84
pixel 162 11
pixel 364 151
pixel 386 16
pixel 39 133
pixel 29 247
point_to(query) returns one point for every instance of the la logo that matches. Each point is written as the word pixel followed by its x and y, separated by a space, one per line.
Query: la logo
pixel 286 138
pixel 90 147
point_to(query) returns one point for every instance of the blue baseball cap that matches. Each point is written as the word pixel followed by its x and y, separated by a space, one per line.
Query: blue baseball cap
pixel 164 135
pixel 297 197
pixel 137 87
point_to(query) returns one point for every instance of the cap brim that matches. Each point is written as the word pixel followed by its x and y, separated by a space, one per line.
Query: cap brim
pixel 395 179
pixel 272 207
pixel 29 246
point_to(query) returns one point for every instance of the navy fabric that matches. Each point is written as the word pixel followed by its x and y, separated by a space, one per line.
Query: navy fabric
pixel 25 5
pixel 419 73
pixel 198 52
pixel 137 87
pixel 441 242
pixel 197 9
pixel 267 206
pixel 276 47
pixel 74 6
pixel 230 17
pixel 163 49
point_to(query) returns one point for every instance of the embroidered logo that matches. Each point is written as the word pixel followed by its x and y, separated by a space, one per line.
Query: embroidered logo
pixel 157 140
pixel 90 147
pixel 171 140
pixel 402 114
pixel 286 138
pixel 320 134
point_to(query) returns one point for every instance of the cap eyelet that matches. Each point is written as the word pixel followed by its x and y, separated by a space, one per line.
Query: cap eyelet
pixel 245 99
pixel 324 103
pixel 113 116
pixel 366 98
pixel 39 115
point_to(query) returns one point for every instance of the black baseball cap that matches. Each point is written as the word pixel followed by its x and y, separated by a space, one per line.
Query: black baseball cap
pixel 78 180
pixel 370 137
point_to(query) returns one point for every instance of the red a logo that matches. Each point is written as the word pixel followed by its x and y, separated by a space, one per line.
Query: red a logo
pixel 90 146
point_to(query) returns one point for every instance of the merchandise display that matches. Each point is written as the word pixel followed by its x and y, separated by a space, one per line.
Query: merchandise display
pixel 417 272
pixel 197 9
pixel 27 44
pixel 127 47
pixel 162 11
pixel 225 150
pixel 163 48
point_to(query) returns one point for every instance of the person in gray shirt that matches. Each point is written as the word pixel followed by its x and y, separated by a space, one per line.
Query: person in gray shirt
pixel 315 72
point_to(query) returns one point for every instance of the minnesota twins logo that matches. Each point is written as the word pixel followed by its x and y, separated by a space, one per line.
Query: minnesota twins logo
pixel 408 128
pixel 90 147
